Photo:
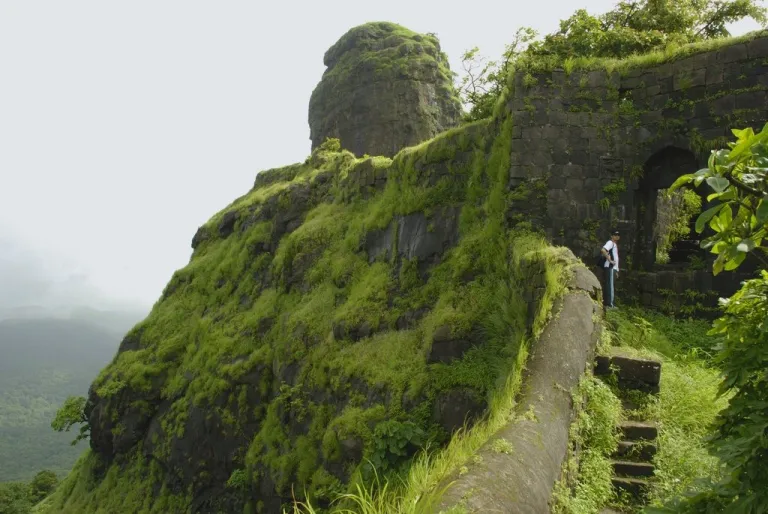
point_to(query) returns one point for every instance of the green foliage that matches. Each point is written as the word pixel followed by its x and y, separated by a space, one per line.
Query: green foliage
pixel 742 427
pixel 740 219
pixel 20 497
pixel 640 27
pixel 612 192
pixel 42 485
pixel 14 498
pixel 674 213
pixel 483 81
pixel 594 433
pixel 645 31
pixel 70 414
pixel 394 443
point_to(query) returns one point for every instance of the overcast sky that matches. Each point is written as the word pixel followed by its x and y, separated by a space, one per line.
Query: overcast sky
pixel 126 125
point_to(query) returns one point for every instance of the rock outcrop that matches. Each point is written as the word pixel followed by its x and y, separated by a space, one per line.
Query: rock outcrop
pixel 385 88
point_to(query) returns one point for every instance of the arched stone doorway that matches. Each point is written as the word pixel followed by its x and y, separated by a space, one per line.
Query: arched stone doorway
pixel 659 173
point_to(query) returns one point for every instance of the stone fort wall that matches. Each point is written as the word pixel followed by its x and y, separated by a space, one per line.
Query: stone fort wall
pixel 592 147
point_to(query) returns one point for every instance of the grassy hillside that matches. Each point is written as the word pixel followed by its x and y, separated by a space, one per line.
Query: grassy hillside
pixel 344 311
pixel 44 361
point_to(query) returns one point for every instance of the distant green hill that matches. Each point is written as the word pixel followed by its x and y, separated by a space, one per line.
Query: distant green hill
pixel 42 361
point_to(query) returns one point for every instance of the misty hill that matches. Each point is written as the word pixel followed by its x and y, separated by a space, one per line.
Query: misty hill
pixel 42 361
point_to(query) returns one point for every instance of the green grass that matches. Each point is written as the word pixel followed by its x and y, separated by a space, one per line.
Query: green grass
pixel 587 486
pixel 688 402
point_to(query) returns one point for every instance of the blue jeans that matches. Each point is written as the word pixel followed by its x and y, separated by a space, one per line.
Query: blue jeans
pixel 609 273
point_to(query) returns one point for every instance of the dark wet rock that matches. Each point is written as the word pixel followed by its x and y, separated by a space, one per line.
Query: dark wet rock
pixel 384 88
pixel 455 407
pixel 446 348
pixel 227 224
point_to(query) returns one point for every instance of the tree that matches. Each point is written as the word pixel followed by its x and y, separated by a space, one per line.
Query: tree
pixel 483 81
pixel 42 485
pixel 14 498
pixel 636 27
pixel 632 27
pixel 72 413
pixel 738 178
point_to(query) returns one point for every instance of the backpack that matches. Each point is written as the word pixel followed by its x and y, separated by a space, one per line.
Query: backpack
pixel 600 259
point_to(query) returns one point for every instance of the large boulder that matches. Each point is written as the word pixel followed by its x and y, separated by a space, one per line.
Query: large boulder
pixel 385 88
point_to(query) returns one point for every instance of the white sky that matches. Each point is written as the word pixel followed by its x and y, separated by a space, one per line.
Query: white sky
pixel 126 125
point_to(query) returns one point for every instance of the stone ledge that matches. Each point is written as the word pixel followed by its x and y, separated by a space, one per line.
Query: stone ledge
pixel 523 480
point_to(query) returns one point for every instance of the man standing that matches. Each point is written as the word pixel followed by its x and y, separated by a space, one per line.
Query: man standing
pixel 611 268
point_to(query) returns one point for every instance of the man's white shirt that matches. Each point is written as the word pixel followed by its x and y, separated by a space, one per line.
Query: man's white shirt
pixel 610 245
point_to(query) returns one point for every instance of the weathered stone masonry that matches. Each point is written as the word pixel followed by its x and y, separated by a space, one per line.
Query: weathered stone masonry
pixel 590 149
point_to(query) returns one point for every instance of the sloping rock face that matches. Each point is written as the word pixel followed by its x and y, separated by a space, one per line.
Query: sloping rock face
pixel 385 88
pixel 343 311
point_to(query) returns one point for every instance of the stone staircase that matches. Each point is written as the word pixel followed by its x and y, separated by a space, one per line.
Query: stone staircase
pixel 633 460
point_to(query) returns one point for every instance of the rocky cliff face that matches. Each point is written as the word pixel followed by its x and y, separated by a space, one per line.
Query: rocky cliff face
pixel 385 88
pixel 343 311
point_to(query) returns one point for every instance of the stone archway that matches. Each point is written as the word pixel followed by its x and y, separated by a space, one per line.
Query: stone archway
pixel 659 172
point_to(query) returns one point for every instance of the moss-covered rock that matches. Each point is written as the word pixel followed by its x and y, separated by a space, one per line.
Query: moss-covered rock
pixel 345 311
pixel 302 341
pixel 385 88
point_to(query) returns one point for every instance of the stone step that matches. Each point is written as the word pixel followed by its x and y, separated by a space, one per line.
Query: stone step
pixel 644 451
pixel 632 373
pixel 634 487
pixel 625 468
pixel 636 431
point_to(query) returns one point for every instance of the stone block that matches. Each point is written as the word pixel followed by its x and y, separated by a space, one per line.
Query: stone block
pixel 659 102
pixel 597 79
pixel 652 90
pixel 665 85
pixel 758 48
pixel 714 75
pixel 573 170
pixel 704 123
pixel 696 93
pixel 632 449
pixel 599 145
pixel 557 118
pixel 723 105
pixel 592 184
pixel 633 469
pixel 642 371
pixel 516 171
pixel 688 79
pixel 541 117
pixel 683 65
pixel 638 431
pixel 733 53
pixel 636 488
pixel 557 182
pixel 751 100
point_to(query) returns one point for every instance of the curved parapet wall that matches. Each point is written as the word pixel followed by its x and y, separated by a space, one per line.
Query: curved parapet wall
pixel 594 145
pixel 523 478
pixel 385 88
